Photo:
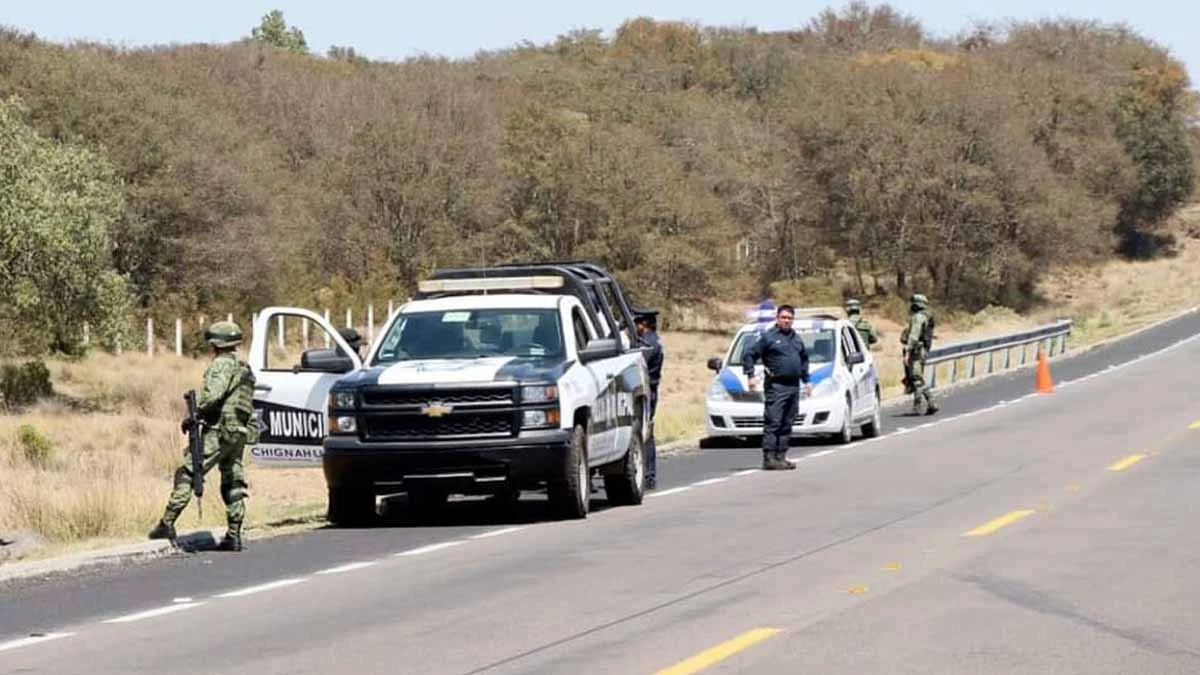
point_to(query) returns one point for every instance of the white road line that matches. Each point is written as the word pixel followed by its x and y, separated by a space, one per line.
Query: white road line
pixel 347 567
pixel 822 453
pixel 746 472
pixel 32 640
pixel 151 613
pixel 261 587
pixel 672 491
pixel 182 600
pixel 497 533
pixel 710 481
pixel 428 549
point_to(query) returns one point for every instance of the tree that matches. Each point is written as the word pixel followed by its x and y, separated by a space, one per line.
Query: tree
pixel 57 204
pixel 274 31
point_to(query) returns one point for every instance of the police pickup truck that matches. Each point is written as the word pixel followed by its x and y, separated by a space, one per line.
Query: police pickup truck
pixel 488 381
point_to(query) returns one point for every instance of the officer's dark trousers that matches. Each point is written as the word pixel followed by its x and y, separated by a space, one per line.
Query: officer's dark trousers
pixel 782 401
pixel 651 449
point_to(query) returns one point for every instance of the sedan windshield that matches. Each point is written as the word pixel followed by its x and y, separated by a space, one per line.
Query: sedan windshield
pixel 472 333
pixel 818 343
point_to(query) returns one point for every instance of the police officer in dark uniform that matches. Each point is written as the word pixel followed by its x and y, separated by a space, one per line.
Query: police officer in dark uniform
pixel 786 360
pixel 646 322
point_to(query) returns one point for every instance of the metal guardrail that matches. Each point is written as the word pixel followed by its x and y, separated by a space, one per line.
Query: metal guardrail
pixel 1054 334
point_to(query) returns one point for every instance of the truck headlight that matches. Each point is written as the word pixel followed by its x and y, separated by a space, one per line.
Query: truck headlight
pixel 341 399
pixel 532 419
pixel 717 392
pixel 539 394
pixel 342 425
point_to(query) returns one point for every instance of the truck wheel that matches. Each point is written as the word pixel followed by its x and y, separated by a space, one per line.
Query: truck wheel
pixel 629 487
pixel 351 506
pixel 570 492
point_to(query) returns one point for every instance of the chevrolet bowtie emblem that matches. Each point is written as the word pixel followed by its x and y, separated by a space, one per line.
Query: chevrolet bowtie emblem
pixel 436 409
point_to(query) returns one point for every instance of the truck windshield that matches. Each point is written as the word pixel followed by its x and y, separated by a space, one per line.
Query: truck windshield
pixel 473 333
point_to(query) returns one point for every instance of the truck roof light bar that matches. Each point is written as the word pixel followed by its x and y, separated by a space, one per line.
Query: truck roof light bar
pixel 489 284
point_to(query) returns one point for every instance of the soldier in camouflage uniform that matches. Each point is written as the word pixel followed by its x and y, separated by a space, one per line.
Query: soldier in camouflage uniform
pixel 226 410
pixel 916 350
pixel 865 330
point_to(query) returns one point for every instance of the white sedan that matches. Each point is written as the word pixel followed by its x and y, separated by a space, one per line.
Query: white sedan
pixel 845 393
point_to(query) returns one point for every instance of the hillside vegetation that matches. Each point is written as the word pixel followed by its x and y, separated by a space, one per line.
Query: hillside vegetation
pixel 855 154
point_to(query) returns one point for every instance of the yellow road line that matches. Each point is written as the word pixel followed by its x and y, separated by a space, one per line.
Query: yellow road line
pixel 993 525
pixel 722 651
pixel 1194 425
pixel 1126 463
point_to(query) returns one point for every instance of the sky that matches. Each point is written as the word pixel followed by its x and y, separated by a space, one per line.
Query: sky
pixel 402 28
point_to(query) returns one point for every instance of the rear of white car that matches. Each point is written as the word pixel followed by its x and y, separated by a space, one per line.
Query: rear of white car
pixel 842 373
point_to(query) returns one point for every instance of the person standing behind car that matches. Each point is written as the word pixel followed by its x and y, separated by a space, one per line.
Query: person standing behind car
pixel 646 321
pixel 786 362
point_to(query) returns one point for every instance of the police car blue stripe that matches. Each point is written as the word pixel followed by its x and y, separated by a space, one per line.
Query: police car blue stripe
pixel 822 373
pixel 731 382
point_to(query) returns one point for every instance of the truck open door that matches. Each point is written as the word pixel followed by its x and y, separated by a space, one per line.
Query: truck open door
pixel 293 380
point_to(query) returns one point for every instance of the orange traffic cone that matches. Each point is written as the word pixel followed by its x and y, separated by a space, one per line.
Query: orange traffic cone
pixel 1044 384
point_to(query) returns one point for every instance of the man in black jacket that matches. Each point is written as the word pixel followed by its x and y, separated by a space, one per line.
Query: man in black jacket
pixel 786 361
pixel 646 321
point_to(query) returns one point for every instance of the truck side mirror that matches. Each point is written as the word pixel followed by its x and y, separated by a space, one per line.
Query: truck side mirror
pixel 325 361
pixel 597 350
pixel 714 363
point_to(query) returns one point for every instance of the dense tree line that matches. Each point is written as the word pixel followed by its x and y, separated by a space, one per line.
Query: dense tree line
pixel 856 152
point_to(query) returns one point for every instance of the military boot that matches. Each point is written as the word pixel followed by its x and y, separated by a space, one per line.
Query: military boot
pixel 785 464
pixel 163 531
pixel 232 540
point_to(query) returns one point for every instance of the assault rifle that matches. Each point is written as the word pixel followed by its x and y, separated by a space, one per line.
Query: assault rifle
pixel 195 448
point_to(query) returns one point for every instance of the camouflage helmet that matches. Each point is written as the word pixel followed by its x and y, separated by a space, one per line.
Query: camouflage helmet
pixel 223 334
pixel 853 306
pixel 919 301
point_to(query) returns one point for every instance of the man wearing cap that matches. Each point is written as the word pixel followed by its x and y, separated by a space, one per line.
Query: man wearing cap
pixel 865 330
pixel 646 322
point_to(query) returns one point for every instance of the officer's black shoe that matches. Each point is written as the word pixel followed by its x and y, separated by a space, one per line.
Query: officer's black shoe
pixel 930 409
pixel 776 461
pixel 651 483
pixel 163 531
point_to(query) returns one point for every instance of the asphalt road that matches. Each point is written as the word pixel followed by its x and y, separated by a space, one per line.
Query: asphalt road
pixel 857 561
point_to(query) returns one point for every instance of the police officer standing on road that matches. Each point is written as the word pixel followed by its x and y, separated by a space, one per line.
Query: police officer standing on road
pixel 865 330
pixel 646 321
pixel 916 339
pixel 786 361
pixel 226 409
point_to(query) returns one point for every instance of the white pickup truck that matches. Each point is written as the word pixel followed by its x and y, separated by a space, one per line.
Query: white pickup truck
pixel 489 381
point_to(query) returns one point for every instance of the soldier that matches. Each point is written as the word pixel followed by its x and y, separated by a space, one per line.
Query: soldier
pixel 916 340
pixel 352 337
pixel 646 321
pixel 865 330
pixel 786 360
pixel 225 407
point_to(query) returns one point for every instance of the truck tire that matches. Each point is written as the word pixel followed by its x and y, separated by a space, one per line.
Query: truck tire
pixel 570 492
pixel 351 506
pixel 628 487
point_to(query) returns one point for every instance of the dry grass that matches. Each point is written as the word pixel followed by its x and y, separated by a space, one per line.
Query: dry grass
pixel 94 467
